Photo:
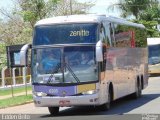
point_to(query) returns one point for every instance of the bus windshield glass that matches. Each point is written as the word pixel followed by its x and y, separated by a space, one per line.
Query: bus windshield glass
pixel 154 54
pixel 65 34
pixel 64 65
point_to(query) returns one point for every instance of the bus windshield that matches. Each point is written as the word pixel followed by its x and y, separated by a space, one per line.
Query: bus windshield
pixel 154 54
pixel 65 34
pixel 64 65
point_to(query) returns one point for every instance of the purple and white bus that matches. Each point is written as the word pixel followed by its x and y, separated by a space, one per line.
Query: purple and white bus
pixel 118 66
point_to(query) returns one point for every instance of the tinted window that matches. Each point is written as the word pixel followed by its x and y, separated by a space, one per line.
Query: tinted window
pixel 154 54
pixel 128 36
pixel 64 34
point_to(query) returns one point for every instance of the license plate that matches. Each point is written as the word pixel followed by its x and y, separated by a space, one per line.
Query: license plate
pixel 63 103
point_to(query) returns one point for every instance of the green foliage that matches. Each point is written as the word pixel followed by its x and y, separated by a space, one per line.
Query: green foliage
pixel 141 37
pixel 151 14
pixel 16 32
pixel 29 15
pixel 3 56
pixel 140 9
pixel 15 90
pixel 132 7
pixel 150 27
pixel 18 100
pixel 3 48
pixel 32 10
pixel 146 12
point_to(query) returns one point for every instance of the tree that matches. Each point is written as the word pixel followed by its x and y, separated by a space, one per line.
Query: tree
pixel 134 7
pixel 146 12
pixel 69 7
pixel 12 33
pixel 152 13
pixel 3 56
pixel 150 27
pixel 34 10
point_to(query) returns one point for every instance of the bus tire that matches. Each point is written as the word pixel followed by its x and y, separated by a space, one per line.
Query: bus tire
pixel 53 110
pixel 107 105
pixel 138 92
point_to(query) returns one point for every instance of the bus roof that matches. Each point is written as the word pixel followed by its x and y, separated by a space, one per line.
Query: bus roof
pixel 85 19
pixel 71 19
pixel 153 41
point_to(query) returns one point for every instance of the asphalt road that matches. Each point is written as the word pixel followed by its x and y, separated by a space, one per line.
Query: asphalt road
pixel 125 108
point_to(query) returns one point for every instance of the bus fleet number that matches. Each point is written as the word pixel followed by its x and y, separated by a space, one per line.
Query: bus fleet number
pixel 53 91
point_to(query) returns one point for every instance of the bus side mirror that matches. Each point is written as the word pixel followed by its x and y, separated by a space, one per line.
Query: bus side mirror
pixel 99 54
pixel 23 54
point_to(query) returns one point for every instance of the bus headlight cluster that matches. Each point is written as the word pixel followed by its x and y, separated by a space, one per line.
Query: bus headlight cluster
pixel 40 94
pixel 90 92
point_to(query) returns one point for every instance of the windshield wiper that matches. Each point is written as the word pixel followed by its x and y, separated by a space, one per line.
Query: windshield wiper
pixel 56 69
pixel 71 71
pixel 53 72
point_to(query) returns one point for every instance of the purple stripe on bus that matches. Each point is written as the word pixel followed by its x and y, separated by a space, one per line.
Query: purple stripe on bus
pixel 57 91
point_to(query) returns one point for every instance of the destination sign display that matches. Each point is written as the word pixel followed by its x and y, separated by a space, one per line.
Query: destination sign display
pixel 66 34
pixel 79 33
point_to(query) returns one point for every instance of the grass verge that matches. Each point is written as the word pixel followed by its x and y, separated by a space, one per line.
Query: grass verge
pixel 15 90
pixel 13 101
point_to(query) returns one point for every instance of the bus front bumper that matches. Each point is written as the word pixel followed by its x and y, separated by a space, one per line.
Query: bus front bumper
pixel 67 101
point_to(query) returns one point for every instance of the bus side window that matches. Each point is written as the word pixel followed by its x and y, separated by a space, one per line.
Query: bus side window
pixel 123 36
pixel 102 33
pixel 107 33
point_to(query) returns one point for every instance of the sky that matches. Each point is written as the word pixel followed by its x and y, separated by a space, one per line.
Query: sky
pixel 99 8
pixel 6 3
pixel 102 6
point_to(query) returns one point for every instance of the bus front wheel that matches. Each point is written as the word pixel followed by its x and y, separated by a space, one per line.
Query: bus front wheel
pixel 53 110
pixel 107 105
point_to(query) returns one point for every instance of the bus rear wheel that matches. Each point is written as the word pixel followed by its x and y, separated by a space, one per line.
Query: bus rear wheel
pixel 53 110
pixel 138 92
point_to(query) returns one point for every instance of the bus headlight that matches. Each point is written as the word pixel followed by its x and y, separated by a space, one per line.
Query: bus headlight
pixel 90 92
pixel 39 94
